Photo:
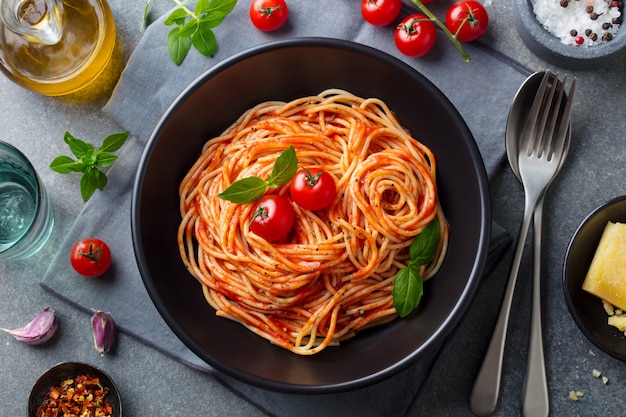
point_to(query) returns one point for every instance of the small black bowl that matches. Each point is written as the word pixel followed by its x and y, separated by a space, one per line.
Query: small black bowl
pixel 585 308
pixel 58 373
pixel 550 48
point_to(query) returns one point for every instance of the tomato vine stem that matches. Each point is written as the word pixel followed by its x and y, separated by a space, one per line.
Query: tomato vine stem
pixel 445 29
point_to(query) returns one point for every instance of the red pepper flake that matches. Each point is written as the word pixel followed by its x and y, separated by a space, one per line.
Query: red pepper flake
pixel 80 396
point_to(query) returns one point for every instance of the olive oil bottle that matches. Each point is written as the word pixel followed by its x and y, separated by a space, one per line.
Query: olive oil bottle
pixel 55 47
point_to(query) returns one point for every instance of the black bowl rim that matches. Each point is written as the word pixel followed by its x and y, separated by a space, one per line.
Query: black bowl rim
pixel 466 295
pixel 110 383
pixel 565 279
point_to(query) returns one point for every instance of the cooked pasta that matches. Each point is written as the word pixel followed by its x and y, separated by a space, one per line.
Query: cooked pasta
pixel 334 273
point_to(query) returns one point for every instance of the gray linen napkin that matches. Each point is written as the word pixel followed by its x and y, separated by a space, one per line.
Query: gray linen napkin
pixel 482 91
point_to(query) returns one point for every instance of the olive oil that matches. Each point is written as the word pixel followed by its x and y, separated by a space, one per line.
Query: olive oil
pixel 55 47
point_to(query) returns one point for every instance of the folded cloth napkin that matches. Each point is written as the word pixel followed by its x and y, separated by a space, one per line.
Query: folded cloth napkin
pixel 482 92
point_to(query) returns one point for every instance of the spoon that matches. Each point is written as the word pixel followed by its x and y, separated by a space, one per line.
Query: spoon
pixel 535 401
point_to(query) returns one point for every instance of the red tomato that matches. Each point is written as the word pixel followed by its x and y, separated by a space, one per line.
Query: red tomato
pixel 468 20
pixel 90 257
pixel 313 189
pixel 273 218
pixel 268 15
pixel 415 35
pixel 380 12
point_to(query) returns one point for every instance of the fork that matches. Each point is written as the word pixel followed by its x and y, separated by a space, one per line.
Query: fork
pixel 542 145
pixel 535 398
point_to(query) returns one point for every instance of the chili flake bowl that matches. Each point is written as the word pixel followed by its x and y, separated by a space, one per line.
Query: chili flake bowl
pixel 586 309
pixel 66 370
pixel 550 48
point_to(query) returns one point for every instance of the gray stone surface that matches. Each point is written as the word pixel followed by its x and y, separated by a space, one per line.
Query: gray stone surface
pixel 154 385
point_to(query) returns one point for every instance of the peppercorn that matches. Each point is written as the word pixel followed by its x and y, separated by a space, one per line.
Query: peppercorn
pixel 594 16
pixel 564 3
pixel 606 26
pixel 593 36
pixel 588 32
pixel 617 20
pixel 589 9
pixel 607 36
pixel 573 32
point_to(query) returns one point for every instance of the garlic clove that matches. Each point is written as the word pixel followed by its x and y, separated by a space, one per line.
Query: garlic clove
pixel 104 331
pixel 39 330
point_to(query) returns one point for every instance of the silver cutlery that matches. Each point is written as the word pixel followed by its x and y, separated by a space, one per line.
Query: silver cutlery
pixel 541 147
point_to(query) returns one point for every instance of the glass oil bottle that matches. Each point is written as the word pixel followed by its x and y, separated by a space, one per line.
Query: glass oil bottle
pixel 55 47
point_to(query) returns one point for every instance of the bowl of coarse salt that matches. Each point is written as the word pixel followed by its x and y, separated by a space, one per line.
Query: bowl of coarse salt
pixel 573 34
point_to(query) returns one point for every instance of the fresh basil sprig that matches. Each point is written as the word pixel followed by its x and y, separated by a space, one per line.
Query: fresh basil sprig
pixel 193 27
pixel 89 160
pixel 408 286
pixel 248 190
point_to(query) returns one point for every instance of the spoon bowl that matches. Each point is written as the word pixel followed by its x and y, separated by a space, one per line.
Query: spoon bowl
pixel 519 112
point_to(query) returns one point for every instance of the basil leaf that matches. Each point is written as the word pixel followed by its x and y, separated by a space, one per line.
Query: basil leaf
pixel 204 41
pixel 177 46
pixel 187 29
pixel 64 165
pixel 146 13
pixel 424 246
pixel 78 147
pixel 177 17
pixel 407 290
pixel 284 168
pixel 201 6
pixel 113 142
pixel 105 159
pixel 92 180
pixel 223 6
pixel 244 191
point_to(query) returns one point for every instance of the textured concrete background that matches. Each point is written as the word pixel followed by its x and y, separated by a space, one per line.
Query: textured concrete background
pixel 154 385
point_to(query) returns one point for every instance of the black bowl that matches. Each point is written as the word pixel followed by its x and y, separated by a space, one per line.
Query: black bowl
pixel 58 373
pixel 283 71
pixel 585 308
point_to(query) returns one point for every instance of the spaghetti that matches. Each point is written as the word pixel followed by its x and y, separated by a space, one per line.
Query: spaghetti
pixel 334 273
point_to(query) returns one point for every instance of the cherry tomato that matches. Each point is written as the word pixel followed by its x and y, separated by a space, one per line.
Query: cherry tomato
pixel 90 257
pixel 415 35
pixel 268 15
pixel 380 12
pixel 468 20
pixel 313 189
pixel 273 217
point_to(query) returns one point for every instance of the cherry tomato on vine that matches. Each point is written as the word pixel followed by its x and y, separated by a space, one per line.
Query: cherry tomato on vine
pixel 273 217
pixel 268 15
pixel 415 35
pixel 380 12
pixel 313 189
pixel 468 20
pixel 90 257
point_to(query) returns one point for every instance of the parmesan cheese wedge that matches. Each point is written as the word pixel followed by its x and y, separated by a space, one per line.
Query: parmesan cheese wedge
pixel 606 277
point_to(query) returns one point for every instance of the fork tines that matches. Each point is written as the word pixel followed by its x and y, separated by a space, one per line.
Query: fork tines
pixel 549 117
